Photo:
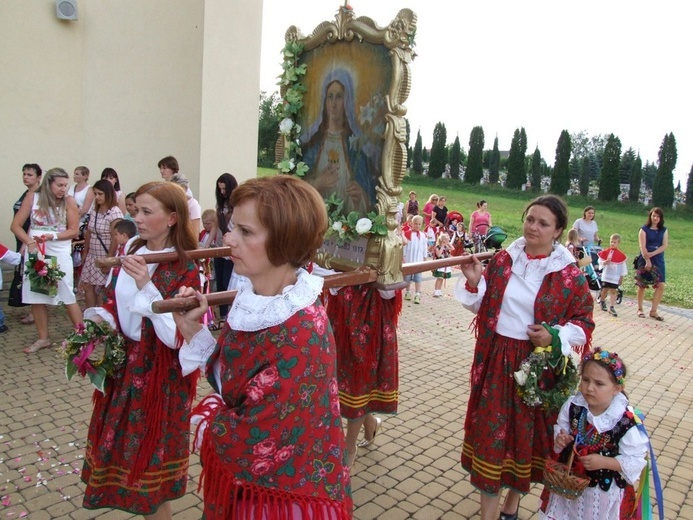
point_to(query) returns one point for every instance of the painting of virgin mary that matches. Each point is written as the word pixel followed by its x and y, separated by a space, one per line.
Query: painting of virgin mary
pixel 334 150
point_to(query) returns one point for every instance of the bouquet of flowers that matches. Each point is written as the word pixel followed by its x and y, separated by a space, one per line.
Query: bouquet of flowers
pixel 93 350
pixel 532 386
pixel 43 273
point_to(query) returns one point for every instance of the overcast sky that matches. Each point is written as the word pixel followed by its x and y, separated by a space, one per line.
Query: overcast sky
pixel 619 67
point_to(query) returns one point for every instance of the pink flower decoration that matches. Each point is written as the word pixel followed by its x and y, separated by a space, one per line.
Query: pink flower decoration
pixel 265 449
pixel 268 377
pixel 262 466
pixel 284 454
pixel 81 360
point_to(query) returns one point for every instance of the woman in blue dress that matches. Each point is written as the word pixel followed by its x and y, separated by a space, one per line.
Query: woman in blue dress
pixel 653 239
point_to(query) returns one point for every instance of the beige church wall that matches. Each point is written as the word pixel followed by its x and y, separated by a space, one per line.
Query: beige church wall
pixel 125 85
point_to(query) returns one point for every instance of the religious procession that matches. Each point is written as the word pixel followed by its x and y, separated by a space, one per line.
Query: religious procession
pixel 318 346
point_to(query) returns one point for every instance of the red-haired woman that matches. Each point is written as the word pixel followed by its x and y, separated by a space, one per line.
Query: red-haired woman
pixel 138 443
pixel 271 437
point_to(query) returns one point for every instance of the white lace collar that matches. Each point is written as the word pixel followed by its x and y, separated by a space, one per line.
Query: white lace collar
pixel 605 421
pixel 251 312
pixel 537 268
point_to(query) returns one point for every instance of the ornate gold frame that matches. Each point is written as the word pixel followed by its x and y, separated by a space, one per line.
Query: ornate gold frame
pixel 384 253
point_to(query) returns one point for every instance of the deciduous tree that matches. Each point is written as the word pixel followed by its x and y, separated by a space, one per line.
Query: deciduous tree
pixel 268 128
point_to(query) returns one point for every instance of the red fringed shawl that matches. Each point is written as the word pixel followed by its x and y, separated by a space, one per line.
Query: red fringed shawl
pixel 275 448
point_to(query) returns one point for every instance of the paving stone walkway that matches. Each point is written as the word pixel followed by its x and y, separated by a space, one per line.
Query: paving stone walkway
pixel 413 470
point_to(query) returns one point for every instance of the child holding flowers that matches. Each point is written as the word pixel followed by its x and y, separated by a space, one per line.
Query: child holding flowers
pixel 600 427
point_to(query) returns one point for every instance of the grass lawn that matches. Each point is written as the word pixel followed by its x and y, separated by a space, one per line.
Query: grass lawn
pixel 506 208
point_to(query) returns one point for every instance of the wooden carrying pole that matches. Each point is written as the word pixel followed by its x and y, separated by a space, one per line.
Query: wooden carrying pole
pixel 360 275
pixel 172 256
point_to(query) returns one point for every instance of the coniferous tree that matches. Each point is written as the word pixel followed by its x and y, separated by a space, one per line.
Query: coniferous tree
pixel 494 163
pixel 417 160
pixel 455 158
pixel 560 178
pixel 626 166
pixel 595 166
pixel 516 162
pixel 689 189
pixel 584 181
pixel 536 170
pixel 475 165
pixel 439 155
pixel 635 180
pixel 649 172
pixel 663 189
pixel 575 168
pixel 608 183
pixel 426 154
pixel 406 143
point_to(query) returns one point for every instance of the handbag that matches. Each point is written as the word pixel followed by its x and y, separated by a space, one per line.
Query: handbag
pixel 638 262
pixel 14 299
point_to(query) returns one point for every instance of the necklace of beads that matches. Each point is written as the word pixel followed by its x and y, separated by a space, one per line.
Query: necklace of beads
pixel 588 436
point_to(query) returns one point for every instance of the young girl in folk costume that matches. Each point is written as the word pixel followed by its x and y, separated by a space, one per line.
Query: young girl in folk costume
pixel 574 245
pixel 442 250
pixel 600 427
pixel 139 434
pixel 460 240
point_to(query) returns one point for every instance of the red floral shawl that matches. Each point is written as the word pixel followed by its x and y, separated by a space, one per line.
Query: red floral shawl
pixel 563 297
pixel 277 442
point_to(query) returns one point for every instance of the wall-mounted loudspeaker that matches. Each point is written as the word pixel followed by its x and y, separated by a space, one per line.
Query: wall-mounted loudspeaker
pixel 66 9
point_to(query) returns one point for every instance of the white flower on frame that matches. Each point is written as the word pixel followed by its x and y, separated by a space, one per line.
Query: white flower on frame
pixel 337 225
pixel 363 225
pixel 286 125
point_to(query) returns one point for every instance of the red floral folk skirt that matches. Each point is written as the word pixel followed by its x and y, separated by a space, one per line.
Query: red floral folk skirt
pixel 139 435
pixel 365 331
pixel 506 442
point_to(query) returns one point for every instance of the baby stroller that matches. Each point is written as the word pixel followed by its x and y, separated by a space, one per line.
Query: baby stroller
pixel 593 273
pixel 494 238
